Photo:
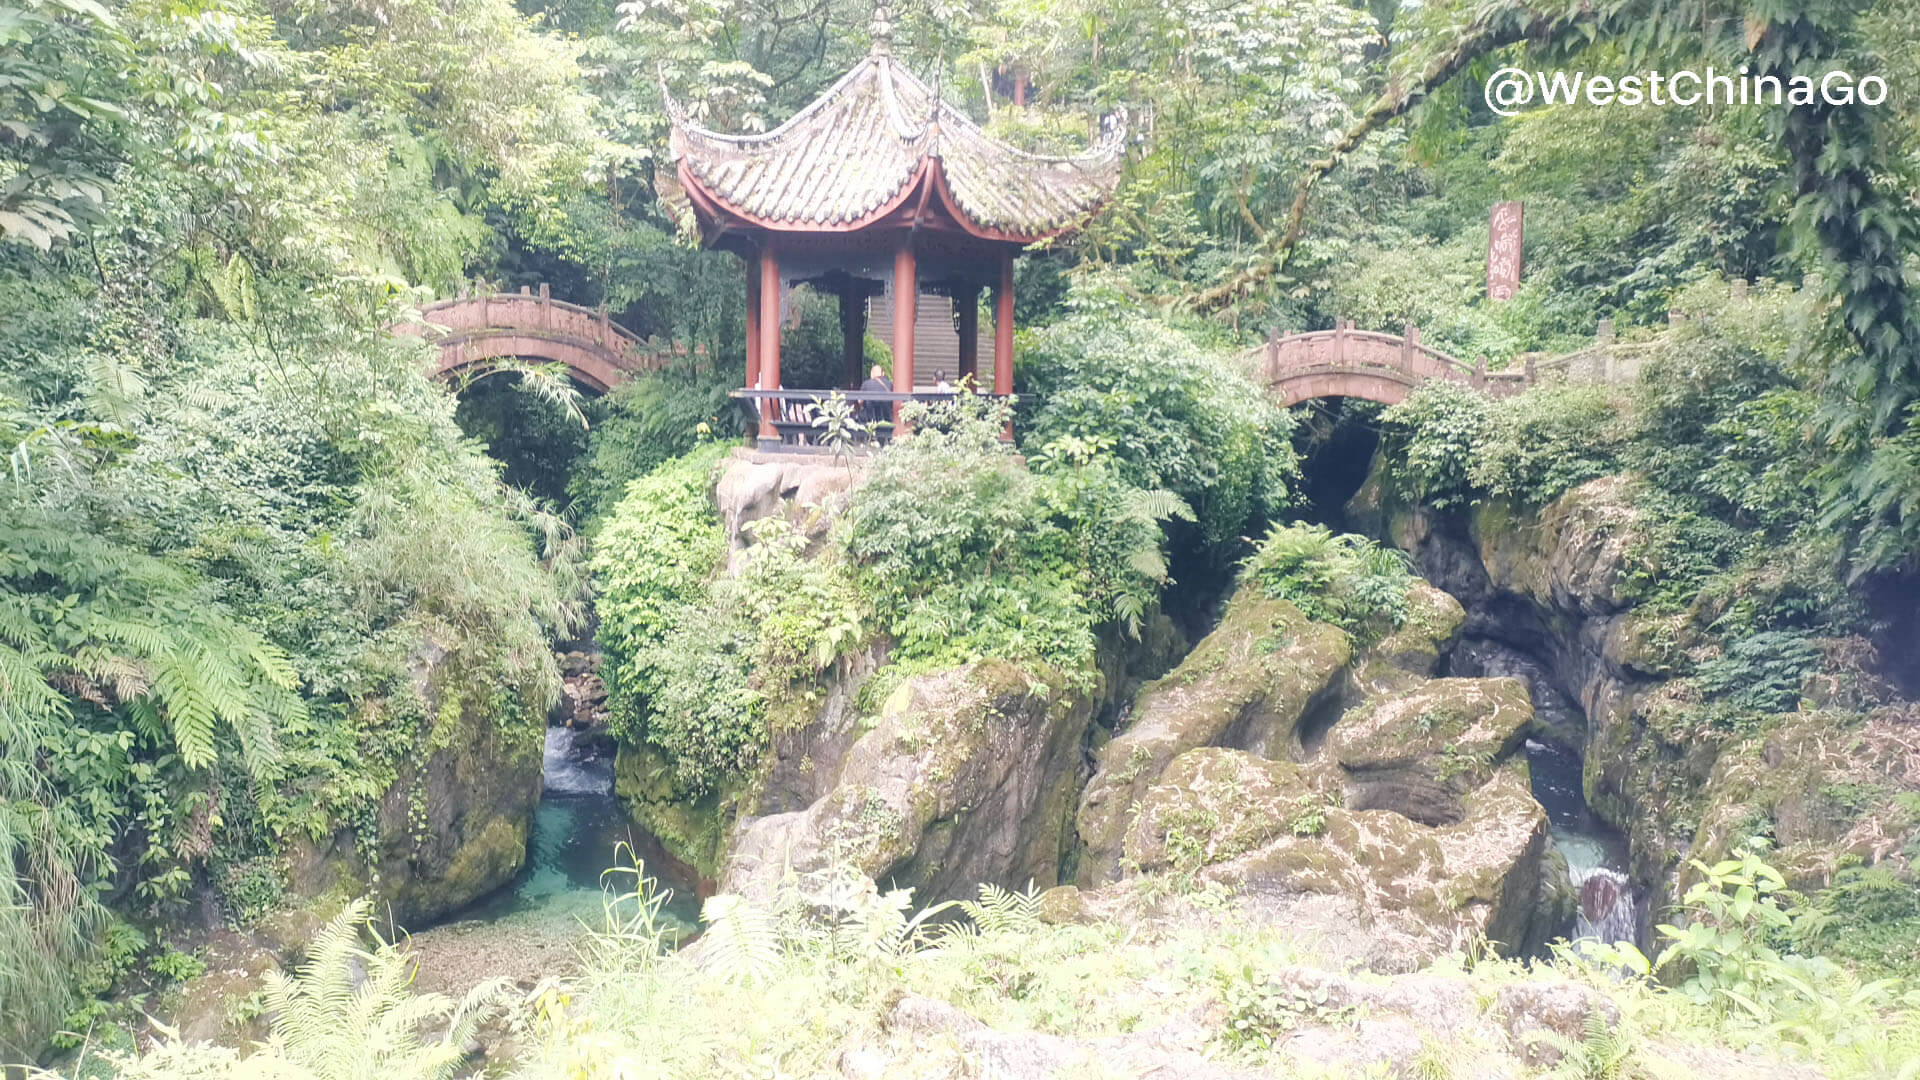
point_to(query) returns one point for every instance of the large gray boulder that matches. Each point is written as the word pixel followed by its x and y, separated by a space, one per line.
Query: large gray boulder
pixel 1250 684
pixel 968 776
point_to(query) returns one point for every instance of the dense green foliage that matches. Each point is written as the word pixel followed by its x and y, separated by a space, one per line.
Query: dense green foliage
pixel 1346 580
pixel 237 516
pixel 950 548
pixel 1451 446
pixel 968 554
pixel 1166 411
pixel 652 560
pixel 644 422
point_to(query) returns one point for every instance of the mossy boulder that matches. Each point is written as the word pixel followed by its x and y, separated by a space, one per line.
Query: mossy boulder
pixel 1411 653
pixel 1831 790
pixel 1262 826
pixel 1421 752
pixel 454 824
pixel 1215 804
pixel 1249 684
pixel 968 776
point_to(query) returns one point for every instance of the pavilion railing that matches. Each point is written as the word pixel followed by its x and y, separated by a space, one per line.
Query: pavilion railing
pixel 795 412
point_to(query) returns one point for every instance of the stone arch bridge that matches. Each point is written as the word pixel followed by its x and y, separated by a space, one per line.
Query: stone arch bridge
pixel 473 332
pixel 1345 362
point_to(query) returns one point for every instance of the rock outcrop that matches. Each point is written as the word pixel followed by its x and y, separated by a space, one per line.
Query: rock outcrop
pixel 1277 759
pixel 1552 585
pixel 454 824
pixel 1252 683
pixel 1549 599
pixel 805 489
pixel 968 776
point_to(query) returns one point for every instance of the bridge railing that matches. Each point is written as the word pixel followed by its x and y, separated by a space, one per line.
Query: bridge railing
pixel 537 314
pixel 1406 360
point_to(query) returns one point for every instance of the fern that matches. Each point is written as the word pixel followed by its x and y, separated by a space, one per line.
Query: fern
pixel 741 943
pixel 1003 911
pixel 348 1014
pixel 89 627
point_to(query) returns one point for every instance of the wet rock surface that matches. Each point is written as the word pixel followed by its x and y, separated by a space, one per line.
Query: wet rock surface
pixel 454 825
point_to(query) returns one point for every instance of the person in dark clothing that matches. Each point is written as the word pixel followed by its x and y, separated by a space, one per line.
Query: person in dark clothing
pixel 874 412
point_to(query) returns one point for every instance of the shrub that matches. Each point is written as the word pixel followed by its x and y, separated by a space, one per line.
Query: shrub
pixel 808 611
pixel 647 421
pixel 1451 446
pixel 965 553
pixel 652 559
pixel 1761 673
pixel 1537 446
pixel 1346 580
pixel 703 711
pixel 1431 439
pixel 1171 413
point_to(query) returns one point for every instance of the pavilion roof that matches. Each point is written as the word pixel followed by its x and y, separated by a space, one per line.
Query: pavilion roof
pixel 862 149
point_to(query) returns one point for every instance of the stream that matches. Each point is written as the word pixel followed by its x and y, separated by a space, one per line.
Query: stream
pixel 577 832
pixel 1610 908
pixel 530 927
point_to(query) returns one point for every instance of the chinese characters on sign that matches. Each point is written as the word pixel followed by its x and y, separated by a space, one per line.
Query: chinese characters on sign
pixel 1503 251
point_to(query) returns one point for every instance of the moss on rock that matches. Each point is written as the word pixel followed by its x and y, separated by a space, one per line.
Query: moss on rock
pixel 693 830
pixel 967 777
pixel 1419 753
pixel 1248 684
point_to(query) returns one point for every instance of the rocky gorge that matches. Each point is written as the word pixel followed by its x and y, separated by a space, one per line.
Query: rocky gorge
pixel 1279 756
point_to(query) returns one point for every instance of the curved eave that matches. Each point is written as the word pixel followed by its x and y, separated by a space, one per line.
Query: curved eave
pixel 926 199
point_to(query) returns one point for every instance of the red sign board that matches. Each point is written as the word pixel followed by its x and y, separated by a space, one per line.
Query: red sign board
pixel 1503 251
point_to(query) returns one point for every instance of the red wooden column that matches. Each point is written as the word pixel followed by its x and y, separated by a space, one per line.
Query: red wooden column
pixel 1003 332
pixel 753 323
pixel 1003 327
pixel 967 307
pixel 906 298
pixel 769 334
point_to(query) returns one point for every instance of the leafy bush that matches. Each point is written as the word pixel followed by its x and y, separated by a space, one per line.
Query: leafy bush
pixel 652 560
pixel 1450 446
pixel 1346 580
pixel 1431 440
pixel 704 711
pixel 1715 400
pixel 808 611
pixel 1539 445
pixel 964 553
pixel 649 420
pixel 1762 672
pixel 1171 413
pixel 1736 953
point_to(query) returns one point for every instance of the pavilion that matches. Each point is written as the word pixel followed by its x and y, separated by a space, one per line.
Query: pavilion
pixel 878 188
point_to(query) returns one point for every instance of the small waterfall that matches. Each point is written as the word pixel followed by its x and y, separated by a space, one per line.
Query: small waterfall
pixel 576 764
pixel 1608 910
pixel 579 830
pixel 1609 906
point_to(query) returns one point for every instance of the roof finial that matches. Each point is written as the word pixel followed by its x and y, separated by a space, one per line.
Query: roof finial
pixel 880 29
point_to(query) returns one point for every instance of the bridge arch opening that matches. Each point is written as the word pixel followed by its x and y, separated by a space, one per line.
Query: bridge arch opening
pixel 538 441
pixel 1336 438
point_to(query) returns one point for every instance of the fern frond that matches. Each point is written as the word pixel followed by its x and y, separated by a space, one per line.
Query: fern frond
pixel 741 944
